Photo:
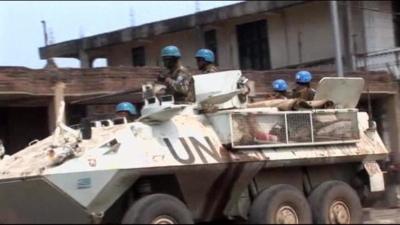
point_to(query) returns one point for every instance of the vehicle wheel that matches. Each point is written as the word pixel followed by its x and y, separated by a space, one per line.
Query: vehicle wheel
pixel 280 204
pixel 335 202
pixel 158 209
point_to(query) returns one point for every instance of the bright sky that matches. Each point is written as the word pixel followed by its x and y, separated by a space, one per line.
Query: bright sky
pixel 21 32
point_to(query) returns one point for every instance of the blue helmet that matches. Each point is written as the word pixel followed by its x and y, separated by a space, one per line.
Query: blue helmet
pixel 126 106
pixel 171 50
pixel 279 85
pixel 303 77
pixel 206 54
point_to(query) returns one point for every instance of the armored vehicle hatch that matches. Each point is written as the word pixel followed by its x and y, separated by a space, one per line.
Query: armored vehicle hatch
pixel 344 92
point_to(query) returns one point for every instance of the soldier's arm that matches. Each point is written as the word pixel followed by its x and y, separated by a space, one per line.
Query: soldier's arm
pixel 162 76
pixel 295 93
pixel 182 84
pixel 270 96
pixel 212 69
pixel 312 92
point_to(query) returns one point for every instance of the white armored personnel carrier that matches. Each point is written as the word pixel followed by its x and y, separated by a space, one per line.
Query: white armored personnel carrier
pixel 219 158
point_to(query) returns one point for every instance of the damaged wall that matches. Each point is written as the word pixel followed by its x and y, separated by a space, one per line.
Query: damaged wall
pixel 16 89
pixel 20 81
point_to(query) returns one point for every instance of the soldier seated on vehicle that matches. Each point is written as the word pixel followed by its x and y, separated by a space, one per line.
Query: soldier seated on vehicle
pixel 280 90
pixel 243 85
pixel 279 93
pixel 177 79
pixel 2 149
pixel 127 110
pixel 303 89
pixel 205 61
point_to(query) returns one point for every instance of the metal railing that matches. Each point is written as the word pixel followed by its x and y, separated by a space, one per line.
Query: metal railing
pixel 295 128
pixel 378 60
pixel 322 64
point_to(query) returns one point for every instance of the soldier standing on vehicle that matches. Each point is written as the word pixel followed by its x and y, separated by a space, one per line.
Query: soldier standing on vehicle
pixel 205 61
pixel 303 89
pixel 176 78
pixel 280 90
pixel 127 110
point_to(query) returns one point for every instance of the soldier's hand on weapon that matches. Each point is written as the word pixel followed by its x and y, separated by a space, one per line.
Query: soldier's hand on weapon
pixel 162 76
pixel 169 81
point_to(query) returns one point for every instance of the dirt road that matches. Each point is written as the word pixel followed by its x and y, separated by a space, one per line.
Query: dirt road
pixel 381 216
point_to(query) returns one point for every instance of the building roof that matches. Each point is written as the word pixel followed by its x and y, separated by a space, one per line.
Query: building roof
pixel 71 48
pixel 20 86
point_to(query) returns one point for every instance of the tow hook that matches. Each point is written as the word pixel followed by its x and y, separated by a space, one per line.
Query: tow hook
pixel 97 217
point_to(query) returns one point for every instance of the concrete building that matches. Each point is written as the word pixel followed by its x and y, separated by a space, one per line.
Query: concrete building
pixel 261 35
pixel 255 35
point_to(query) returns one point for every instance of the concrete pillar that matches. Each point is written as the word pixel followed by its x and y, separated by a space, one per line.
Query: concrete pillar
pixel 58 98
pixel 364 16
pixel 393 113
pixel 349 60
pixel 392 108
pixel 54 106
pixel 337 38
pixel 396 106
pixel 84 59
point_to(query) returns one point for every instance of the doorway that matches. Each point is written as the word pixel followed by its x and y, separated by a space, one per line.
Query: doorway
pixel 21 125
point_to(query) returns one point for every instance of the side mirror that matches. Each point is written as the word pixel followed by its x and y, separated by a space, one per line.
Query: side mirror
pixel 86 129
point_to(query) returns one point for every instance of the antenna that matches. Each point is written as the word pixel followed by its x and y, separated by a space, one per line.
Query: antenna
pixel 51 36
pixel 81 32
pixel 132 16
pixel 197 6
pixel 45 32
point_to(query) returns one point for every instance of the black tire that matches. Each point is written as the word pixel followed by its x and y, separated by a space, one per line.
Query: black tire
pixel 274 201
pixel 147 209
pixel 339 195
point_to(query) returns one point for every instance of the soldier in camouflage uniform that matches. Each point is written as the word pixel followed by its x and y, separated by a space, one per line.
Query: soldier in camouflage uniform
pixel 205 61
pixel 177 79
pixel 303 89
